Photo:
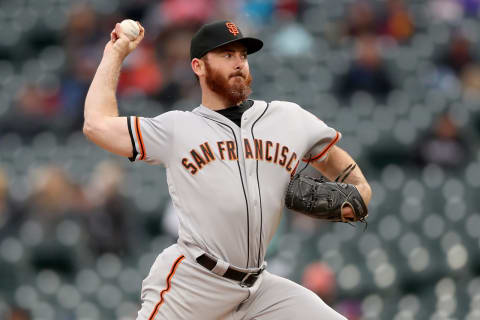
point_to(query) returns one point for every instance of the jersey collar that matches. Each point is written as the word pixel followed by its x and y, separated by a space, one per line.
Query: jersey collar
pixel 256 109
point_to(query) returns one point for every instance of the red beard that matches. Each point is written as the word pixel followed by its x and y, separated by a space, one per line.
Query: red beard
pixel 234 93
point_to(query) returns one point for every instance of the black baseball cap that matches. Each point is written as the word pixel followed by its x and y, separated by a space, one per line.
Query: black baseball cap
pixel 216 34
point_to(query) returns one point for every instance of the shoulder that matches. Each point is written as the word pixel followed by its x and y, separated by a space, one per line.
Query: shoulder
pixel 294 111
pixel 173 114
pixel 287 105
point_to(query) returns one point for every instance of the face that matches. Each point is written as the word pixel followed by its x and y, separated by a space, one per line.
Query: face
pixel 227 73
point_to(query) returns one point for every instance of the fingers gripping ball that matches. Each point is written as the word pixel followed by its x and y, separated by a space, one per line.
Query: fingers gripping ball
pixel 130 28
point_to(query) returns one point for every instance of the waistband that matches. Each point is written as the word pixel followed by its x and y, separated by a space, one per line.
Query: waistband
pixel 192 252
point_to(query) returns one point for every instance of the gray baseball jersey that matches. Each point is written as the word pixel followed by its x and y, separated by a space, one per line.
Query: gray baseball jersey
pixel 226 182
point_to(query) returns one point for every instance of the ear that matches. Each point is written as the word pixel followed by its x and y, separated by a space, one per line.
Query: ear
pixel 198 67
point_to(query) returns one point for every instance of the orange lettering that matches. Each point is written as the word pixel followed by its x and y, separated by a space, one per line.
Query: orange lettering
pixel 198 159
pixel 268 145
pixel 207 152
pixel 189 166
pixel 292 158
pixel 284 156
pixel 258 149
pixel 231 150
pixel 276 152
pixel 248 149
pixel 221 149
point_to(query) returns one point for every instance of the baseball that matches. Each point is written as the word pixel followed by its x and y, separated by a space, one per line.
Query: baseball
pixel 130 28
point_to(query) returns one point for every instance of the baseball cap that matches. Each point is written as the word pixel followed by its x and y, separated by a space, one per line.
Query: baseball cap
pixel 216 34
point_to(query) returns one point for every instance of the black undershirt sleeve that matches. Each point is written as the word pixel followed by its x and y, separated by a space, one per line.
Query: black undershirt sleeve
pixel 135 152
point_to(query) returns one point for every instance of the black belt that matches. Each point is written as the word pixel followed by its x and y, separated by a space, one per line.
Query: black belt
pixel 246 279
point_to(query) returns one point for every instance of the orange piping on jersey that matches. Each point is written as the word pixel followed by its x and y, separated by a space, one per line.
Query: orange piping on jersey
pixel 140 139
pixel 164 291
pixel 325 150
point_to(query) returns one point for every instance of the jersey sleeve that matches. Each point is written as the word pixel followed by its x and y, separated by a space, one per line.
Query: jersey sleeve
pixel 152 138
pixel 321 137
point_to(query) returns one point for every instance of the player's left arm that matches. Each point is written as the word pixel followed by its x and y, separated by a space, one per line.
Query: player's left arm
pixel 336 161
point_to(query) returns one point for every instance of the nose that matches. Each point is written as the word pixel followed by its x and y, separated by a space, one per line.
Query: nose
pixel 239 62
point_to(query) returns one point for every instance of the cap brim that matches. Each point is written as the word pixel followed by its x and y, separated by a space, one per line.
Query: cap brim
pixel 252 44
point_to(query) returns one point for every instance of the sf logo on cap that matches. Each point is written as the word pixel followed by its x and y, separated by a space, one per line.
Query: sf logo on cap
pixel 232 28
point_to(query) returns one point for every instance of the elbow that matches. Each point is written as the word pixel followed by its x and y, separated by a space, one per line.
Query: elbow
pixel 89 129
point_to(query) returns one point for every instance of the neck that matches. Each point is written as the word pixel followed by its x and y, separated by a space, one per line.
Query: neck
pixel 213 101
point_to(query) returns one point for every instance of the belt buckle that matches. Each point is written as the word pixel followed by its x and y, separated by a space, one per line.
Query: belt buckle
pixel 250 278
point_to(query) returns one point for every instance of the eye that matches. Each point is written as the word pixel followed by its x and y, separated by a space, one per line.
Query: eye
pixel 228 55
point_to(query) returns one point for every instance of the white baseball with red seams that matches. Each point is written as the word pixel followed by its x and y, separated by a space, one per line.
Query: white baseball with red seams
pixel 130 28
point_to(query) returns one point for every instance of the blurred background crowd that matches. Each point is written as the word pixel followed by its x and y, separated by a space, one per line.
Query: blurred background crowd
pixel 79 228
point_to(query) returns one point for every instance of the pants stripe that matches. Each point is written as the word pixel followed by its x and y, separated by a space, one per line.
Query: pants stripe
pixel 167 288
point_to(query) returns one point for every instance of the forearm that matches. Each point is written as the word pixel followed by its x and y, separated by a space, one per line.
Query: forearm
pixel 102 124
pixel 336 162
pixel 101 100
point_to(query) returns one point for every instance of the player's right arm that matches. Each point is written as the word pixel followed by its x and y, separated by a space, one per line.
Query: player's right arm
pixel 102 123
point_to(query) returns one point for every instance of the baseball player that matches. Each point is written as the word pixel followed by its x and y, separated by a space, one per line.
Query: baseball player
pixel 228 164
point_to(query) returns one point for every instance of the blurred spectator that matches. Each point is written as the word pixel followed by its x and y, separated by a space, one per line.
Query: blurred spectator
pixel 444 145
pixel 52 195
pixel 4 211
pixel 83 42
pixel 367 72
pixel 351 309
pixel 470 8
pixel 458 55
pixel 11 214
pixel 446 10
pixel 471 80
pixel 18 314
pixel 292 39
pixel 38 101
pixel 82 27
pixel 178 81
pixel 51 202
pixel 397 22
pixel 106 216
pixel 259 11
pixel 394 20
pixel 180 12
pixel 35 109
pixel 141 72
pixel 287 8
pixel 361 19
pixel 320 278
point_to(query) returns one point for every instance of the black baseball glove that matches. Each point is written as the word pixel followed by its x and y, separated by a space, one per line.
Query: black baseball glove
pixel 323 199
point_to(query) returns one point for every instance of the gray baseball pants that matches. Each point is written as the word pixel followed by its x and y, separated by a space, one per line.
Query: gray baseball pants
pixel 179 288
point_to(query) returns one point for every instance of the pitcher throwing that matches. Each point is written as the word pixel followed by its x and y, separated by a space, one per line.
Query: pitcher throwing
pixel 229 162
